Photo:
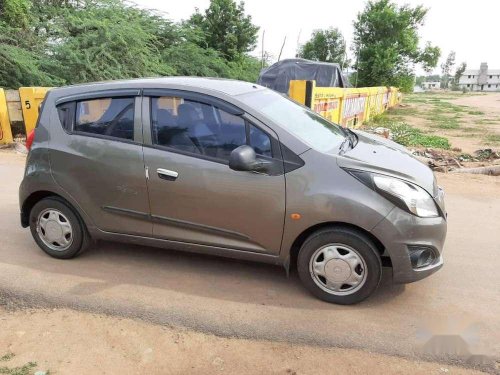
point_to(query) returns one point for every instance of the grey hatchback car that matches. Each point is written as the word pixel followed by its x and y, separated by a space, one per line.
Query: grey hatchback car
pixel 232 169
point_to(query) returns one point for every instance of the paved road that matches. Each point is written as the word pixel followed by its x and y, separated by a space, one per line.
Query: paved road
pixel 227 297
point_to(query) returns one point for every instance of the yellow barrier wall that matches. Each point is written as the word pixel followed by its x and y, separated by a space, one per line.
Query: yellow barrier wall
pixel 349 107
pixel 5 130
pixel 328 103
pixel 31 98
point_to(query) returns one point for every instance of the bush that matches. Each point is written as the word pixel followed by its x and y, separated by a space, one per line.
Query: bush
pixel 412 137
pixel 409 136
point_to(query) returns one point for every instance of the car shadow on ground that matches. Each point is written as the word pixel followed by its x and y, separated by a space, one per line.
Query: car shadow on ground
pixel 112 264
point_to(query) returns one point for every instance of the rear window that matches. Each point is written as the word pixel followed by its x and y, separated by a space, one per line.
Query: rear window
pixel 111 117
pixel 66 113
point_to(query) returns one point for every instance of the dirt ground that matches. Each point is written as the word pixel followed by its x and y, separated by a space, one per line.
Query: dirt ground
pixel 476 117
pixel 120 308
pixel 488 102
pixel 69 342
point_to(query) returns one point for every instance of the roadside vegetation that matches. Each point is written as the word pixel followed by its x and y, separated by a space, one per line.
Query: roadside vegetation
pixel 408 135
pixel 52 43
pixel 60 42
pixel 25 369
pixel 436 120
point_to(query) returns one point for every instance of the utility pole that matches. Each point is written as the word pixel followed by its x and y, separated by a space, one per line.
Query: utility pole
pixel 357 66
pixel 262 55
pixel 283 45
pixel 298 44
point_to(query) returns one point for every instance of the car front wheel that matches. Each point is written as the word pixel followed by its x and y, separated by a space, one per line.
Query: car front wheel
pixel 339 265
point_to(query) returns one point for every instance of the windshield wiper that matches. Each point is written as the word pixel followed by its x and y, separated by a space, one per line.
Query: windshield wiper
pixel 347 141
pixel 354 138
pixel 350 139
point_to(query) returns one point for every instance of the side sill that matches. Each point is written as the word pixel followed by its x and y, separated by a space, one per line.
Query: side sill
pixel 190 247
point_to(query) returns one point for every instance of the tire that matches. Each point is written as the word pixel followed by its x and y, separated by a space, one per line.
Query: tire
pixel 57 229
pixel 347 257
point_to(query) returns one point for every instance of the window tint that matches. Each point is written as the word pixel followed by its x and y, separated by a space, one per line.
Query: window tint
pixel 66 113
pixel 113 117
pixel 260 142
pixel 303 123
pixel 202 128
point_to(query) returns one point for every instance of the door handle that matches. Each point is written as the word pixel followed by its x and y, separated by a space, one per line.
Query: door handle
pixel 167 174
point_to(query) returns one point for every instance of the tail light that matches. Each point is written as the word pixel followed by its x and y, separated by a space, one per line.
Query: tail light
pixel 29 139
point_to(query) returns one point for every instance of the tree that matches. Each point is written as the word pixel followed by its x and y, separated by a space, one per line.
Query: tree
pixel 188 59
pixel 57 42
pixel 108 40
pixel 22 63
pixel 460 70
pixel 23 58
pixel 325 45
pixel 386 43
pixel 15 13
pixel 226 28
pixel 446 68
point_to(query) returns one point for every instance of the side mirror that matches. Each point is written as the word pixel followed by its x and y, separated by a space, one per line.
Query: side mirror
pixel 243 158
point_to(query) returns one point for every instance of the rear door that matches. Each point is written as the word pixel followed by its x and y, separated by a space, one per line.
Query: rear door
pixel 96 156
pixel 194 196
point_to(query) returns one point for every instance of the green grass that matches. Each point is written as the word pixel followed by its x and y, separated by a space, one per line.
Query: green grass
pixel 488 121
pixel 447 123
pixel 19 370
pixel 440 114
pixel 492 139
pixel 409 136
pixel 450 107
pixel 26 369
pixel 479 113
pixel 470 130
pixel 403 111
pixel 439 119
pixel 7 357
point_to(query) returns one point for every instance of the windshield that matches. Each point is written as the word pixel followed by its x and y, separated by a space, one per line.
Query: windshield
pixel 311 128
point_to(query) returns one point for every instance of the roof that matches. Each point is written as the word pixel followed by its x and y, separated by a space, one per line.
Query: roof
pixel 224 86
pixel 476 72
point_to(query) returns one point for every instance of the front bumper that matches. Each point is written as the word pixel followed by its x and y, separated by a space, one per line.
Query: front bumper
pixel 399 230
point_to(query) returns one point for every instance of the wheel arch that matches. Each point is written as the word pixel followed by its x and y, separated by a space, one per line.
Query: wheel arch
pixel 36 197
pixel 301 238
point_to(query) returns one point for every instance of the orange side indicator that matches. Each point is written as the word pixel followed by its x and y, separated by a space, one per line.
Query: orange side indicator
pixel 295 216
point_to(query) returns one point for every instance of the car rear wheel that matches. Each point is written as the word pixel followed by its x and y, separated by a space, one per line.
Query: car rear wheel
pixel 56 228
pixel 339 265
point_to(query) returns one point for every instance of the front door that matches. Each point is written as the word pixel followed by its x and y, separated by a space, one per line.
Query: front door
pixel 194 196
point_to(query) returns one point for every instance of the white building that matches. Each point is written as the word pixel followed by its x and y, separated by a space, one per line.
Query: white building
pixel 431 85
pixel 483 79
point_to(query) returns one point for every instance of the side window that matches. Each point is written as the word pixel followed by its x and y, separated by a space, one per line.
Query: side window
pixel 112 117
pixel 260 142
pixel 196 127
pixel 66 113
pixel 232 133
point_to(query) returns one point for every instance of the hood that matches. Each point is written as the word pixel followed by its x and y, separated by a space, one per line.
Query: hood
pixel 379 155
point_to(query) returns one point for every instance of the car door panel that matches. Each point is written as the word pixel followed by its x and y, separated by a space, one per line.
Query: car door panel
pixel 105 176
pixel 210 204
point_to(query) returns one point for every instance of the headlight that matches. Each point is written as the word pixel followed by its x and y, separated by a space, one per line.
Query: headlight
pixel 402 193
